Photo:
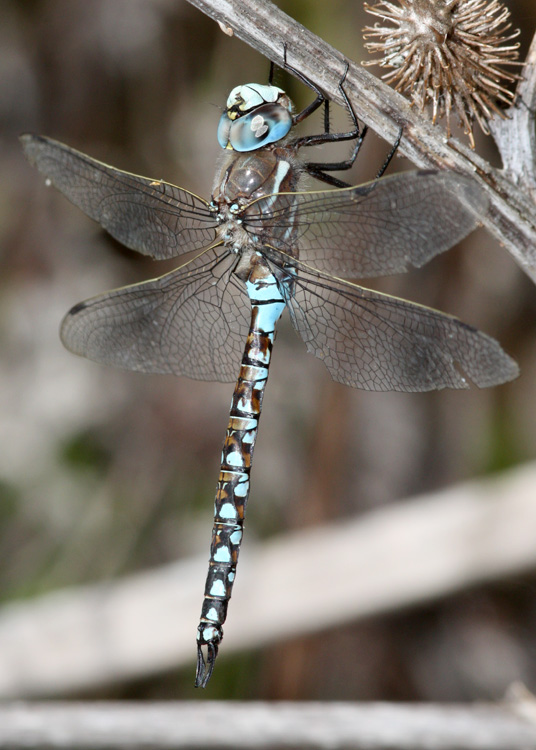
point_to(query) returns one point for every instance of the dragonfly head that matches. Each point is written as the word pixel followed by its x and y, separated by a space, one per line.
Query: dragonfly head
pixel 255 115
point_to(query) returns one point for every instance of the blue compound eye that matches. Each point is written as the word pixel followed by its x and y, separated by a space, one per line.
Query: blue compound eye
pixel 265 124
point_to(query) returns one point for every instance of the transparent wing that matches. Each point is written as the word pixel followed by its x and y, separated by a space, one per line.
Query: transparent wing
pixel 383 227
pixel 380 343
pixel 193 321
pixel 150 216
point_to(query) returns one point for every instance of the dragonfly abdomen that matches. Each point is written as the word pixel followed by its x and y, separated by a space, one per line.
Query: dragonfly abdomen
pixel 232 489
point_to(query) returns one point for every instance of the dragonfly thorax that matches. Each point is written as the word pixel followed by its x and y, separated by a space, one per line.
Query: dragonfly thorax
pixel 241 181
pixel 231 232
pixel 255 116
pixel 243 178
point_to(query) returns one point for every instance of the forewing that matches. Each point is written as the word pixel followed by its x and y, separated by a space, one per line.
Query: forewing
pixel 150 216
pixel 193 321
pixel 381 228
pixel 380 343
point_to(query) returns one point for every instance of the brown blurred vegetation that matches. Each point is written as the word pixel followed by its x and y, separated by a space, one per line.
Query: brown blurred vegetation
pixel 104 473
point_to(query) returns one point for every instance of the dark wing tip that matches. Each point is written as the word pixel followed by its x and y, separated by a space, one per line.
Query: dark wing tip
pixel 29 139
pixel 427 171
pixel 77 308
pixel 33 145
pixel 70 334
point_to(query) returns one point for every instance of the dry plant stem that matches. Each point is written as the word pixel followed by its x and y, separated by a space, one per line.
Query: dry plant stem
pixel 259 23
pixel 267 726
pixel 516 137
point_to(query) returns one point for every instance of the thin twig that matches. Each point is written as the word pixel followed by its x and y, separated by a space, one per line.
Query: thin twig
pixel 259 23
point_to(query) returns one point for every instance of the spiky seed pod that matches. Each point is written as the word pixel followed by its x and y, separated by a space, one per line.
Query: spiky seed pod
pixel 447 54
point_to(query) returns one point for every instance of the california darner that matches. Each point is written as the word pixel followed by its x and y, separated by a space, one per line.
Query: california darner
pixel 262 246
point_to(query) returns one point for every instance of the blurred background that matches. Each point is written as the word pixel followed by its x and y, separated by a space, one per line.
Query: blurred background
pixel 104 474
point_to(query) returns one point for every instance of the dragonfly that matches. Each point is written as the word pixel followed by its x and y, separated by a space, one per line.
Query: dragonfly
pixel 262 245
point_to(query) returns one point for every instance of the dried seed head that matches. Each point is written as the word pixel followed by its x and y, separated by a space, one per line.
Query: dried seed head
pixel 447 54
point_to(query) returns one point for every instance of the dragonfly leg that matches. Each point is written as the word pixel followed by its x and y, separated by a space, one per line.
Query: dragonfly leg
pixel 356 134
pixel 327 128
pixel 391 153
pixel 327 178
pixel 272 73
pixel 320 96
pixel 319 169
pixel 327 136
